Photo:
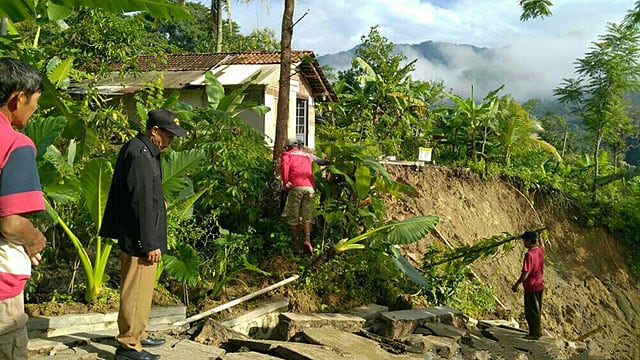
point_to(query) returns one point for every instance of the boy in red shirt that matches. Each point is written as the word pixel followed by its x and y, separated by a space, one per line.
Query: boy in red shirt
pixel 531 279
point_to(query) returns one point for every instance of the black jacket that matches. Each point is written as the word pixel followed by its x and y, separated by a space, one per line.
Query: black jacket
pixel 136 214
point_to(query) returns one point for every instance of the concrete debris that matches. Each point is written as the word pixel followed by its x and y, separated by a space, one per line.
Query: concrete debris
pixel 431 333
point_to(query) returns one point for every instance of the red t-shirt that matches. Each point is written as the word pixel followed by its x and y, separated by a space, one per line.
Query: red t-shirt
pixel 296 168
pixel 534 265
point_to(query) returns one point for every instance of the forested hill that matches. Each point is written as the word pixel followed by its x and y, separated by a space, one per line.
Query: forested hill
pixel 460 66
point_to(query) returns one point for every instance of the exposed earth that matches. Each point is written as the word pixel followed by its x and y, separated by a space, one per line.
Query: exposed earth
pixel 589 292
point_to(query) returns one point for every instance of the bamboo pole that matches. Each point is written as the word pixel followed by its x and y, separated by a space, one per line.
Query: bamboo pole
pixel 235 302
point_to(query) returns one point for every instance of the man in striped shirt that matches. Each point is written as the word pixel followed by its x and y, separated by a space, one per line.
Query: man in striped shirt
pixel 20 195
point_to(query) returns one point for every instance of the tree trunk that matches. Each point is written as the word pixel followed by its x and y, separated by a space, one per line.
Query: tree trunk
pixel 282 116
pixel 596 165
pixel 216 26
pixel 3 26
pixel 219 29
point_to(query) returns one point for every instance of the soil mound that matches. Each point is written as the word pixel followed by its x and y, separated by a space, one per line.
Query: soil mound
pixel 589 296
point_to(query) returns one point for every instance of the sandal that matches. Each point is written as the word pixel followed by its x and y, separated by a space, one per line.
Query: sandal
pixel 308 248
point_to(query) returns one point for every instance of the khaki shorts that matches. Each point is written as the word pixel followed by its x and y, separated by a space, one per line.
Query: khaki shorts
pixel 13 329
pixel 300 205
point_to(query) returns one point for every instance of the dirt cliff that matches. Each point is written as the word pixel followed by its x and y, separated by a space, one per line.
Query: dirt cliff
pixel 588 287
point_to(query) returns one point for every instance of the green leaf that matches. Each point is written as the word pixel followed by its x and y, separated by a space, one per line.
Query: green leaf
pixel 251 267
pixel 402 232
pixel 407 269
pixel 532 9
pixel 56 187
pixel 63 192
pixel 142 113
pixel 156 8
pixel 214 89
pixel 96 179
pixel 44 132
pixel 58 72
pixel 18 10
pixel 57 12
pixel 183 264
pixel 175 168
pixel 89 142
pixel 363 182
pixel 183 208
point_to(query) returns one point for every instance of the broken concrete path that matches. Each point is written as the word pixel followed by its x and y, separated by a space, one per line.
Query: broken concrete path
pixel 98 347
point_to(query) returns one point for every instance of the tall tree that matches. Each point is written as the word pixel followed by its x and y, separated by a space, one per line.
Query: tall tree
pixel 606 76
pixel 282 116
pixel 97 40
pixel 216 24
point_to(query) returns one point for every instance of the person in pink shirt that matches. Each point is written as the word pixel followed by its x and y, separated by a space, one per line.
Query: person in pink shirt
pixel 297 180
pixel 20 196
pixel 531 279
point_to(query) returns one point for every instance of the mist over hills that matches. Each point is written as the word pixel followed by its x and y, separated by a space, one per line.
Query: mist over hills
pixel 459 66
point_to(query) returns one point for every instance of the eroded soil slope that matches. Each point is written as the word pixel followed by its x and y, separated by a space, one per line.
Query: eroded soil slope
pixel 587 281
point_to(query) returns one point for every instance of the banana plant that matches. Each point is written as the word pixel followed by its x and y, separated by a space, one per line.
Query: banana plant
pixel 63 184
pixel 387 237
pixel 352 189
pixel 95 178
pixel 476 115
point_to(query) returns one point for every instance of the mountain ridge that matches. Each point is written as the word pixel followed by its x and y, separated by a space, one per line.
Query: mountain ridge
pixel 459 66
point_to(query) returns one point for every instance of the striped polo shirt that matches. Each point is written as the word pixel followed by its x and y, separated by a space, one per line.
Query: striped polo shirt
pixel 20 194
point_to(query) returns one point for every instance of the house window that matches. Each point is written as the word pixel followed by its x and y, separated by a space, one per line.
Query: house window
pixel 301 120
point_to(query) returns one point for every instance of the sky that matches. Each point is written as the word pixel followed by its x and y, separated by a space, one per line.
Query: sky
pixel 539 53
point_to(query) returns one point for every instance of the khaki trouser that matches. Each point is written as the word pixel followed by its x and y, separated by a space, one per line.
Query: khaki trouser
pixel 13 329
pixel 136 294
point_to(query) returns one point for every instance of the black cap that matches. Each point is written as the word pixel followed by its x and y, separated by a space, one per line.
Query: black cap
pixel 166 120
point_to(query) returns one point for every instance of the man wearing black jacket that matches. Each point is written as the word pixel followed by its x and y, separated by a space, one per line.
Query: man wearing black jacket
pixel 136 215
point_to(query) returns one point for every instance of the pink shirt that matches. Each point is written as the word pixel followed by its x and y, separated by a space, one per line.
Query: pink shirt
pixel 296 168
pixel 534 265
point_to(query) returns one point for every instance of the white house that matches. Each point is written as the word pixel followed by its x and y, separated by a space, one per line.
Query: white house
pixel 185 73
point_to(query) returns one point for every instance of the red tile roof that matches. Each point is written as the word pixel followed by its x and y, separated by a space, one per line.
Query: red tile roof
pixel 321 87
pixel 206 61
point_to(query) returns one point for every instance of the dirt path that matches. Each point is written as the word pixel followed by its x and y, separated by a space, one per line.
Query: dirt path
pixel 587 281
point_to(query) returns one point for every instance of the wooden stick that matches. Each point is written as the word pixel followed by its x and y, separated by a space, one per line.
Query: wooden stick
pixel 590 333
pixel 235 302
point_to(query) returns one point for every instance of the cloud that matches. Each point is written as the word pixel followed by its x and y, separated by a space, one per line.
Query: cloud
pixel 533 56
